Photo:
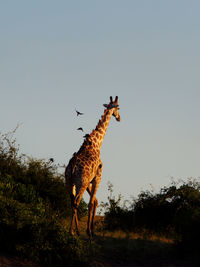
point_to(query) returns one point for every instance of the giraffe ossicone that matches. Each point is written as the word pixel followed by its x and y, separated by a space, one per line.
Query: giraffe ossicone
pixel 85 168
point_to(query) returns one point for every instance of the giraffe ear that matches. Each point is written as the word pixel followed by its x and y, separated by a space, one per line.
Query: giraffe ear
pixel 105 105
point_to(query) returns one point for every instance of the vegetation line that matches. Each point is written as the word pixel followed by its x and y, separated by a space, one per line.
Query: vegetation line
pixel 35 210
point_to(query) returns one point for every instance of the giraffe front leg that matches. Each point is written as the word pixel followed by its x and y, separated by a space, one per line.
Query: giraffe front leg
pixel 93 215
pixel 90 212
pixel 93 202
pixel 94 207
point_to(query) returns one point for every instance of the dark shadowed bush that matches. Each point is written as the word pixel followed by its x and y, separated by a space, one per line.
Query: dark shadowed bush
pixel 174 212
pixel 33 202
pixel 117 215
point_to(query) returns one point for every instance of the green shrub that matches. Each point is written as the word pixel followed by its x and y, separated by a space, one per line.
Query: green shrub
pixel 174 212
pixel 117 216
pixel 187 217
pixel 27 231
pixel 33 202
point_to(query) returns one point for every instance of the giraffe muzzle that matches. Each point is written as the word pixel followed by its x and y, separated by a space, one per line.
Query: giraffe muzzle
pixel 118 118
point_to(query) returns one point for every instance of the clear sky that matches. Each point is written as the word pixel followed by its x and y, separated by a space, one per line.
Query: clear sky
pixel 56 56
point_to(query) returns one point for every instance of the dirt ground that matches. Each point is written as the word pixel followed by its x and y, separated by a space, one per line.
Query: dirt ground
pixel 117 249
pixel 9 261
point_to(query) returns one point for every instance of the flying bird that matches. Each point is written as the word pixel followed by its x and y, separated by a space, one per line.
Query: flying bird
pixel 80 129
pixel 78 113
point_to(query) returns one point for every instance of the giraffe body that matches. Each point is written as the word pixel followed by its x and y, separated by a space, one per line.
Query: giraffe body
pixel 85 167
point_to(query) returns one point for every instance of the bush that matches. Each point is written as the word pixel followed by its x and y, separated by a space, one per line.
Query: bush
pixel 28 231
pixel 33 202
pixel 187 217
pixel 174 212
pixel 117 216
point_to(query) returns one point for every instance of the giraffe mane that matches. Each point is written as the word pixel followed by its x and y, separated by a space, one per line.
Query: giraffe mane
pixel 102 117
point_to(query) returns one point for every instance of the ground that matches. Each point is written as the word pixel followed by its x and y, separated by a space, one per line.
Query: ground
pixel 117 249
pixel 10 261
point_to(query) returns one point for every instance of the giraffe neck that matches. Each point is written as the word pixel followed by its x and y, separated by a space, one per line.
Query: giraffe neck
pixel 97 135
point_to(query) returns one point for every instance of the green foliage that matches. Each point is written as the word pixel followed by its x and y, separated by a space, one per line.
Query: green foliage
pixel 187 217
pixel 117 216
pixel 33 202
pixel 174 211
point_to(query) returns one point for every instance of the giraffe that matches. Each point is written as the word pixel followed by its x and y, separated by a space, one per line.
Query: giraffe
pixel 85 168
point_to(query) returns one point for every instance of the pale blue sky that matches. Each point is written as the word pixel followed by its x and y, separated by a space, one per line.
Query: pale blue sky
pixel 56 56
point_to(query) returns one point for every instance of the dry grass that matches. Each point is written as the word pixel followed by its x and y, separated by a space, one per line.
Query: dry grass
pixel 119 234
pixel 119 248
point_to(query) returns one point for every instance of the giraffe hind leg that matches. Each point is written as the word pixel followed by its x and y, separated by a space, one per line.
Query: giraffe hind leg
pixel 74 211
pixel 74 216
pixel 75 201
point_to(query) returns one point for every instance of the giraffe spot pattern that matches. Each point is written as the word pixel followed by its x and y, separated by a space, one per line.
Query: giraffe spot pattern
pixel 85 166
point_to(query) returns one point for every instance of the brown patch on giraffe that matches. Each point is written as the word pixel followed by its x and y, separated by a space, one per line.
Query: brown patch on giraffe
pixel 84 161
pixel 100 131
pixel 94 146
pixel 98 143
pixel 86 173
pixel 87 168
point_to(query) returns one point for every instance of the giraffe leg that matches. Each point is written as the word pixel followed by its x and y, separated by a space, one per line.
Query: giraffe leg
pixel 75 201
pixel 93 215
pixel 74 218
pixel 94 209
pixel 77 224
pixel 93 202
pixel 90 207
pixel 98 179
pixel 74 213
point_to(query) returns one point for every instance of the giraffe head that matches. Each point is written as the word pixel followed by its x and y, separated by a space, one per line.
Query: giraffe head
pixel 113 105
